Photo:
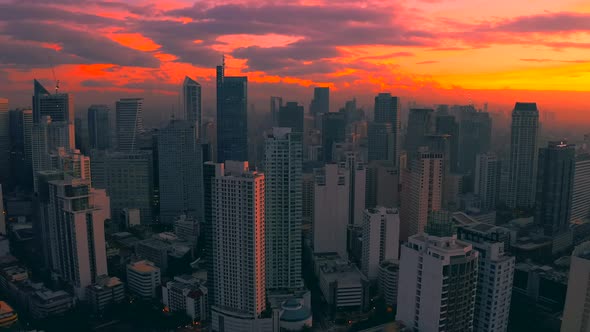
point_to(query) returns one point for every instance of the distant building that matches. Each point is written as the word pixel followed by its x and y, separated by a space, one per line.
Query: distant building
pixel 275 105
pixel 421 122
pixel 380 234
pixel 320 104
pixel 555 187
pixel 381 141
pixel 232 119
pixel 291 116
pixel 188 295
pixel 4 141
pixel 383 180
pixel 99 128
pixel 577 304
pixel 106 291
pixel 388 110
pixel 523 156
pixel 191 95
pixel 333 131
pixel 129 121
pixel 487 180
pixel 437 284
pixel 581 191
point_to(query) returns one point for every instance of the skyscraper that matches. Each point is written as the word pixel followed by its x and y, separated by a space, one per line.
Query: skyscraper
pixel 421 123
pixel 291 116
pixel 424 190
pixel 487 180
pixel 383 180
pixel 387 110
pixel 475 135
pixel 331 209
pixel 99 128
pixel 59 106
pixel 496 276
pixel 239 249
pixel 180 171
pixel 581 191
pixel 577 303
pixel 283 183
pixel 4 141
pixel 320 104
pixel 232 116
pixel 523 156
pixel 333 131
pixel 129 123
pixel 191 97
pixel 381 143
pixel 437 284
pixel 554 187
pixel 380 234
pixel 77 213
pixel 275 105
pixel 211 171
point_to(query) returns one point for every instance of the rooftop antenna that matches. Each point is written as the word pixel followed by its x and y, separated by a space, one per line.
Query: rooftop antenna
pixel 54 78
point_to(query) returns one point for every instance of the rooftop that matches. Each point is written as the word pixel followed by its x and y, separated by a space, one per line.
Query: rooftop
pixel 143 266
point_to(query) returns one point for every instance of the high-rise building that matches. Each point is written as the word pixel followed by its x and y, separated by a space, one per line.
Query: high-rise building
pixel 487 180
pixel 421 123
pixel 4 141
pixel 387 110
pixel 2 213
pixel 99 128
pixel 211 170
pixel 475 136
pixel 129 123
pixel 59 106
pixel 73 164
pixel 381 142
pixel 383 180
pixel 423 184
pixel 577 304
pixel 496 275
pixel 180 171
pixel 581 191
pixel 320 104
pixel 523 156
pixel 77 213
pixel 128 179
pixel 291 116
pixel 21 172
pixel 283 183
pixel 380 234
pixel 191 97
pixel 333 131
pixel 232 116
pixel 437 284
pixel 331 209
pixel 554 187
pixel 446 124
pixel 239 249
pixel 275 105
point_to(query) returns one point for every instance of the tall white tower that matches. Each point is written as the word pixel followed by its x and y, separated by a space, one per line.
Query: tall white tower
pixel 283 179
pixel 380 239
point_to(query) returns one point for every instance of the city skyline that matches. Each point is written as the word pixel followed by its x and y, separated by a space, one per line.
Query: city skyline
pixel 463 52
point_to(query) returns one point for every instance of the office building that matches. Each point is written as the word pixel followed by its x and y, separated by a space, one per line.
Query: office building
pixel 424 187
pixel 104 293
pixel 291 116
pixel 275 105
pixel 581 191
pixel 239 249
pixel 495 279
pixel 333 131
pixel 555 187
pixel 4 141
pixel 331 209
pixel 577 304
pixel 381 142
pixel 188 295
pixel 191 97
pixel 383 180
pixel 421 122
pixel 320 104
pixel 58 106
pixel 487 180
pixel 388 110
pixel 232 118
pixel 129 121
pixel 437 284
pixel 77 213
pixel 143 279
pixel 180 159
pixel 523 156
pixel 380 234
pixel 283 183
pixel 99 127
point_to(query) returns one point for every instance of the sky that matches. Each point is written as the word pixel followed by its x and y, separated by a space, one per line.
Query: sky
pixel 428 51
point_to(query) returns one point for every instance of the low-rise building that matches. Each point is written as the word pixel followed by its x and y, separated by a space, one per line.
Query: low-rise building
pixel 143 278
pixel 8 316
pixel 107 290
pixel 388 281
pixel 189 295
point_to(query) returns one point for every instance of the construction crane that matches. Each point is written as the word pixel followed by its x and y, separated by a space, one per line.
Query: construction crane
pixel 54 77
